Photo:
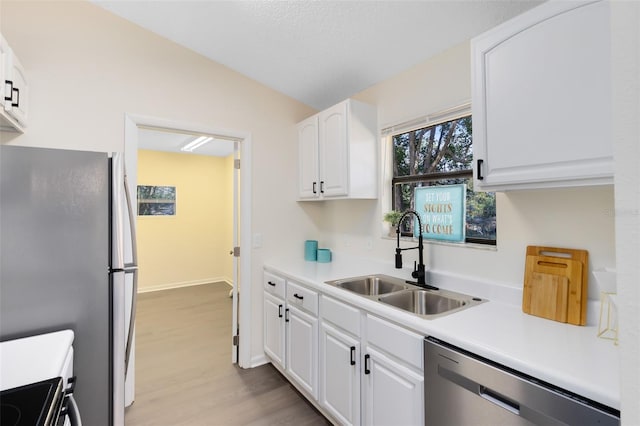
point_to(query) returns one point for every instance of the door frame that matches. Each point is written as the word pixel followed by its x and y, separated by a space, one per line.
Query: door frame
pixel 132 123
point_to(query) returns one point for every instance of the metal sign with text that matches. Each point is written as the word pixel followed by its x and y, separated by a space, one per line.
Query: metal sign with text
pixel 442 210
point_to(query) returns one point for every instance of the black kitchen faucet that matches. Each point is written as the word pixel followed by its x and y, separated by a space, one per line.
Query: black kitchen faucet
pixel 419 272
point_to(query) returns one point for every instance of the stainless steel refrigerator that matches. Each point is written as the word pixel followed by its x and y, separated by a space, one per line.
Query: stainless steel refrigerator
pixel 67 260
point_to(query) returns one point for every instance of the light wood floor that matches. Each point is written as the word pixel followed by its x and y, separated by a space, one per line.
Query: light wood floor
pixel 184 374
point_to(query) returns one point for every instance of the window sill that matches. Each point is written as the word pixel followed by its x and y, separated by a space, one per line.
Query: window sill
pixel 475 246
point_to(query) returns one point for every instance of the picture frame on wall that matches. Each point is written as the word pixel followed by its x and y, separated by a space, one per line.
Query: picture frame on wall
pixel 156 200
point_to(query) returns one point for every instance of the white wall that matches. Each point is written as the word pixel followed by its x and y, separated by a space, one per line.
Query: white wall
pixel 87 68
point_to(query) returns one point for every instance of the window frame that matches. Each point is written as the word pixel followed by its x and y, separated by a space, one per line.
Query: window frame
pixel 389 133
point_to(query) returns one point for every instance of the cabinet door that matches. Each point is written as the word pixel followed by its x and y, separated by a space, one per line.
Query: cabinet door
pixel 4 70
pixel 20 94
pixel 308 184
pixel 9 96
pixel 340 375
pixel 541 99
pixel 334 152
pixel 393 392
pixel 302 349
pixel 274 333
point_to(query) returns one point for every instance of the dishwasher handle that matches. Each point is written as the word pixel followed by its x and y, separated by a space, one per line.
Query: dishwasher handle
pixel 499 400
pixel 480 390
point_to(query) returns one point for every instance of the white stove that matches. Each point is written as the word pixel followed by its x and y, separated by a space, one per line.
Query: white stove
pixel 29 372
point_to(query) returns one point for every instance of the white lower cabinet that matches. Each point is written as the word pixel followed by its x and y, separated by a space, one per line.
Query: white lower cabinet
pixel 393 393
pixel 393 385
pixel 273 308
pixel 340 374
pixel 274 335
pixel 357 368
pixel 302 348
pixel 371 370
pixel 291 331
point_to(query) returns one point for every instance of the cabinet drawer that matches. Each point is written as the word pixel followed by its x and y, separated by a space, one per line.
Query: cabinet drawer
pixel 273 284
pixel 395 340
pixel 344 316
pixel 302 297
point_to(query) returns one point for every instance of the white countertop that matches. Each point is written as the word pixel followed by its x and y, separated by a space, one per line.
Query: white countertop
pixel 33 359
pixel 568 356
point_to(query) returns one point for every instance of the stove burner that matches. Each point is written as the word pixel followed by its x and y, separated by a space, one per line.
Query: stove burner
pixel 10 414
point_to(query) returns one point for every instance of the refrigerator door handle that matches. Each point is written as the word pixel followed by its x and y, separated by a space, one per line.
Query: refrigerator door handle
pixel 132 321
pixel 117 256
pixel 132 221
pixel 131 268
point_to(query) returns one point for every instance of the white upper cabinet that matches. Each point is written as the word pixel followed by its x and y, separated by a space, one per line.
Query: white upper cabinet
pixel 334 151
pixel 541 91
pixel 337 153
pixel 5 53
pixel 14 94
pixel 308 161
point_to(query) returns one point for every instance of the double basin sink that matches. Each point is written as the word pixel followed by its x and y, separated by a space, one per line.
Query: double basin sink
pixel 428 303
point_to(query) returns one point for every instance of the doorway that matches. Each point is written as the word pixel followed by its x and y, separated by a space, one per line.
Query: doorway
pixel 239 346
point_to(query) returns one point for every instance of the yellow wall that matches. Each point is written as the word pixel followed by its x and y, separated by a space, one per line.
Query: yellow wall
pixel 192 246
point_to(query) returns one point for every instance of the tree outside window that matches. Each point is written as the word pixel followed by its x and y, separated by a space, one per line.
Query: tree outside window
pixel 441 154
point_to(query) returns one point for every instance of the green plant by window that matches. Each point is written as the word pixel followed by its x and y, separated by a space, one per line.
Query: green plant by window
pixel 392 217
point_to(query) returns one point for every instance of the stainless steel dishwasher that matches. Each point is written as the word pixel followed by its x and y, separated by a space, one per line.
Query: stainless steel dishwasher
pixel 463 389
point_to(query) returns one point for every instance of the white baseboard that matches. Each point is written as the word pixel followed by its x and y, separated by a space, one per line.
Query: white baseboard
pixel 258 360
pixel 168 286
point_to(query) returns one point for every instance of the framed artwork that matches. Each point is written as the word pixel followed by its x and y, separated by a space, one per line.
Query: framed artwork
pixel 156 200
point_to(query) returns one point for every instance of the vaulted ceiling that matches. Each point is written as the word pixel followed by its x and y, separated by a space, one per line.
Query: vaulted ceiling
pixel 318 52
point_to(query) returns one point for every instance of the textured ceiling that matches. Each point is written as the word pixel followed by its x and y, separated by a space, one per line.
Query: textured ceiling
pixel 318 52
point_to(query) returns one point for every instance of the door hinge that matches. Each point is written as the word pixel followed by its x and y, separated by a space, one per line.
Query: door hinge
pixel 236 340
pixel 236 252
pixel 236 164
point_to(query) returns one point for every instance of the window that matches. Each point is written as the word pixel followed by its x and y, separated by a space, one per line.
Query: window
pixel 441 154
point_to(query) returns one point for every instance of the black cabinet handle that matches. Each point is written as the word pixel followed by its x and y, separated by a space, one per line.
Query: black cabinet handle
pixel 322 187
pixel 271 283
pixel 279 311
pixel 10 91
pixel 479 169
pixel 17 102
pixel 297 296
pixel 353 355
pixel 314 188
pixel 366 364
pixel 286 315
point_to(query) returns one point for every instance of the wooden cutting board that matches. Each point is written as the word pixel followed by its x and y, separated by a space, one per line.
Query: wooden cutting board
pixel 555 284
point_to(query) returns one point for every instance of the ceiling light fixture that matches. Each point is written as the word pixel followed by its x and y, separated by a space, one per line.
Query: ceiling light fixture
pixel 196 143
